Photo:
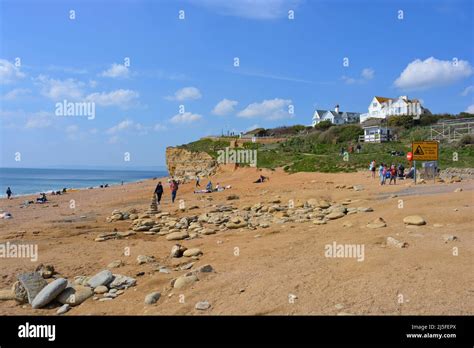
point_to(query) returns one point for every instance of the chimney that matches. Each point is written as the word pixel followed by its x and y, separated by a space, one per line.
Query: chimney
pixel 336 109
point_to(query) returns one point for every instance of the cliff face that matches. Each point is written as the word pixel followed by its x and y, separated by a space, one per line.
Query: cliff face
pixel 185 164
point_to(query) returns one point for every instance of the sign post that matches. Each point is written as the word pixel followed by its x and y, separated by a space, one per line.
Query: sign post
pixel 424 151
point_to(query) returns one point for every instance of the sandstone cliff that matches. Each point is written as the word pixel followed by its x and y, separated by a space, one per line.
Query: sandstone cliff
pixel 185 164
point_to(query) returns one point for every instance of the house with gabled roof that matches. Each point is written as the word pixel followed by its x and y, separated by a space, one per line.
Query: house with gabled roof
pixel 383 107
pixel 335 117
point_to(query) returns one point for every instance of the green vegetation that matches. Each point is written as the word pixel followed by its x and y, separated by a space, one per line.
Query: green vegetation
pixel 318 149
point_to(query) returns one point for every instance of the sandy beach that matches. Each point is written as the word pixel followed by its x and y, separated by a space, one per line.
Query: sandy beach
pixel 280 269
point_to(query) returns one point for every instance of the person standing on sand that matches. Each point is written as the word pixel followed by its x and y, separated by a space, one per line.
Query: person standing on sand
pixel 174 189
pixel 381 174
pixel 373 168
pixel 159 191
pixel 9 192
pixel 198 181
pixel 393 175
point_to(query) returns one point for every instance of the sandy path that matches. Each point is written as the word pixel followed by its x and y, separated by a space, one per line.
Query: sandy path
pixel 274 263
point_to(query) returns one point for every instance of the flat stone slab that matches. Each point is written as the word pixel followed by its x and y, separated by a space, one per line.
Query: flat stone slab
pixel 49 293
pixel 33 283
pixel 102 278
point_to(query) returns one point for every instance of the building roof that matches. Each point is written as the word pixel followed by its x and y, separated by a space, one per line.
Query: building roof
pixel 383 99
pixel 373 122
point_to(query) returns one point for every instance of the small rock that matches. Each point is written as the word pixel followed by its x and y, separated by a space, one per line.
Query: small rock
pixel 32 282
pixel 45 271
pixel 115 264
pixel 63 309
pixel 6 295
pixel 377 223
pixel 365 209
pixel 49 293
pixel 141 259
pixel 192 252
pixel 177 235
pixel 335 215
pixel 102 289
pixel 75 295
pixel 414 220
pixel 122 282
pixel 152 298
pixel 393 242
pixel 177 250
pixel 202 305
pixel 102 278
pixel 205 268
pixel 183 281
pixel 449 238
pixel 459 189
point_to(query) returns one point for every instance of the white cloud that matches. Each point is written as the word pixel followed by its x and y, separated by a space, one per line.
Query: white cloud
pixel 365 75
pixel 186 93
pixel 16 93
pixel 470 109
pixel 127 125
pixel 58 89
pixel 224 107
pixel 468 90
pixel 116 71
pixel 273 109
pixel 9 72
pixel 253 9
pixel 186 117
pixel 122 97
pixel 40 119
pixel 432 72
pixel 114 140
pixel 72 128
pixel 159 127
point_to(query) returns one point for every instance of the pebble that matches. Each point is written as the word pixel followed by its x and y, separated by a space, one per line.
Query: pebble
pixel 49 293
pixel 122 282
pixel 102 278
pixel 152 298
pixel 377 223
pixel 335 215
pixel 192 252
pixel 414 220
pixel 449 238
pixel 177 235
pixel 75 295
pixel 141 259
pixel 102 289
pixel 202 305
pixel 115 264
pixel 184 281
pixel 63 309
pixel 206 269
pixel 393 242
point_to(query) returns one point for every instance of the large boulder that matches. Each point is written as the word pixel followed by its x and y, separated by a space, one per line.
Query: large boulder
pixel 49 293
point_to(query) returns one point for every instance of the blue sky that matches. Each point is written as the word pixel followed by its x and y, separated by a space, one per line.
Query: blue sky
pixel 426 52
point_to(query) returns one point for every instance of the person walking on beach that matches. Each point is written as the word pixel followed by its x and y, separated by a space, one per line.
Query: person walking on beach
pixel 174 189
pixel 159 191
pixel 9 192
pixel 198 180
pixel 393 175
pixel 372 168
pixel 381 174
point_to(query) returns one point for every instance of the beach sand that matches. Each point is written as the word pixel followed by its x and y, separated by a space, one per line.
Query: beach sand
pixel 272 264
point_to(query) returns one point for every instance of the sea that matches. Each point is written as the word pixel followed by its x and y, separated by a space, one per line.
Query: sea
pixel 24 181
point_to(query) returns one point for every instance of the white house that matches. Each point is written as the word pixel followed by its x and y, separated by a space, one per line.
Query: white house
pixel 382 107
pixel 375 131
pixel 335 117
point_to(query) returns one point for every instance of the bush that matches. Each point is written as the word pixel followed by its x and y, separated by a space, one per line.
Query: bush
pixel 400 121
pixel 466 139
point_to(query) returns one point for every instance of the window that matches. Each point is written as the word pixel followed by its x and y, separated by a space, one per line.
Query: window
pixel 374 104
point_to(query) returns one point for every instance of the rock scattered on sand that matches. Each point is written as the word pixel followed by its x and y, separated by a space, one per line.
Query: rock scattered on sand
pixel 49 293
pixel 101 289
pixel 122 282
pixel 152 298
pixel 63 309
pixel 33 283
pixel 377 223
pixel 365 209
pixel 206 269
pixel 449 238
pixel 177 251
pixel 75 295
pixel 141 259
pixel 416 220
pixel 232 197
pixel 21 296
pixel 6 295
pixel 46 271
pixel 192 252
pixel 177 235
pixel 102 278
pixel 202 305
pixel 184 281
pixel 115 264
pixel 459 189
pixel 335 215
pixel 395 243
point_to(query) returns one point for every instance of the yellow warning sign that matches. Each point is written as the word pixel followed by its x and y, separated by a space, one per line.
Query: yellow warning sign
pixel 425 150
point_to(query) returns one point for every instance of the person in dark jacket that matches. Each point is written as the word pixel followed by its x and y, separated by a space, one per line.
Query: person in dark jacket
pixel 159 191
pixel 9 192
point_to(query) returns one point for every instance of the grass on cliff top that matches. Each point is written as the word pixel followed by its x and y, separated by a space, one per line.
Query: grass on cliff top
pixel 320 152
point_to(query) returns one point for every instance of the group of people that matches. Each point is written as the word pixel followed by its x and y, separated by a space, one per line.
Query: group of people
pixel 350 149
pixel 386 171
pixel 174 186
pixel 209 187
